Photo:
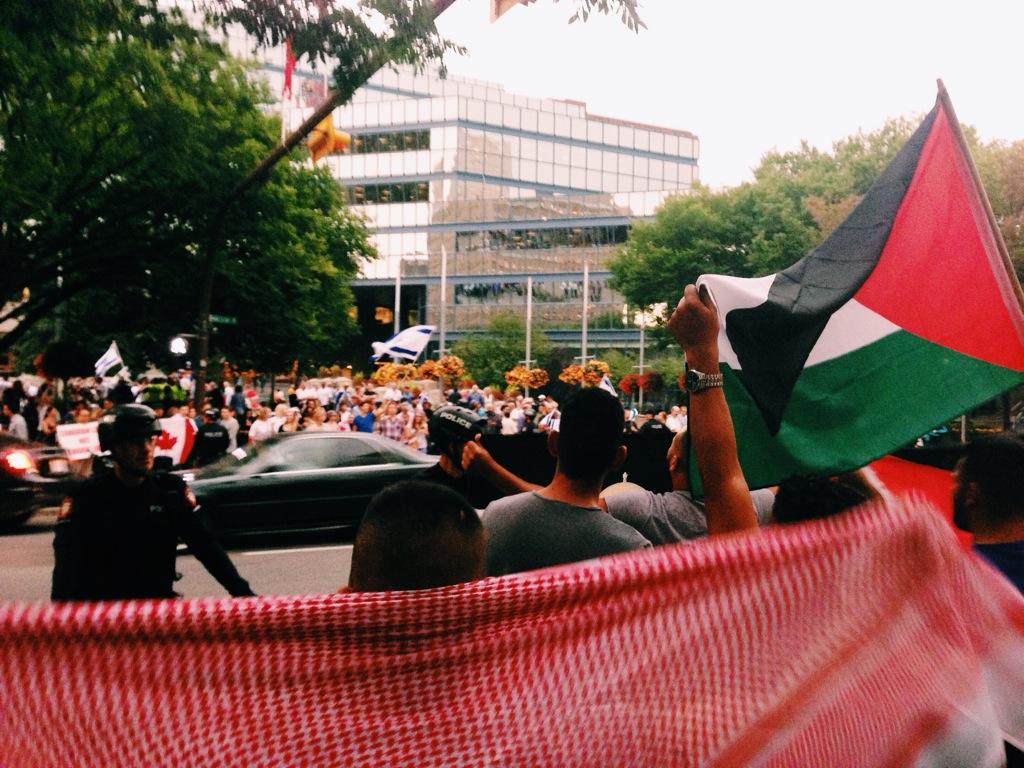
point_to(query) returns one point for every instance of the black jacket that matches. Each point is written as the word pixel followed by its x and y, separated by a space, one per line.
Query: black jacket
pixel 113 542
pixel 211 442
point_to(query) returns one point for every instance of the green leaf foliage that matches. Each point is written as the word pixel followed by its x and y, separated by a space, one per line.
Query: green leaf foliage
pixel 749 230
pixel 1001 165
pixel 500 348
pixel 122 129
pixel 795 201
pixel 357 38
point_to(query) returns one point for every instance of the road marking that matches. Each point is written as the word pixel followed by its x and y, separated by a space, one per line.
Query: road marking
pixel 260 552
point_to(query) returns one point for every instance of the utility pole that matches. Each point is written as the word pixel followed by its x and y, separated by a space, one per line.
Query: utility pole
pixel 398 296
pixel 528 362
pixel 442 303
pixel 586 312
pixel 643 325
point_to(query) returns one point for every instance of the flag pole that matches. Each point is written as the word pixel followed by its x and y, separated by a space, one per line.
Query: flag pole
pixel 947 105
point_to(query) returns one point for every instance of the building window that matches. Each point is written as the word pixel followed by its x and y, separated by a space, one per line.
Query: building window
pixel 532 239
pixel 546 292
pixel 399 141
pixel 410 192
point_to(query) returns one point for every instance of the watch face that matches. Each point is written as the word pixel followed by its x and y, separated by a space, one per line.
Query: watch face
pixel 692 380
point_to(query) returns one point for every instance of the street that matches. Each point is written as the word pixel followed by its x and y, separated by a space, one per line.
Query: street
pixel 26 563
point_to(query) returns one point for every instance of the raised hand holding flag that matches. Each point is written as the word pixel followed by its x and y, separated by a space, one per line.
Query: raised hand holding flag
pixel 906 316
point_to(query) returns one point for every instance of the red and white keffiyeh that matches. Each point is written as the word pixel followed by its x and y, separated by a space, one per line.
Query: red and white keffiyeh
pixel 871 639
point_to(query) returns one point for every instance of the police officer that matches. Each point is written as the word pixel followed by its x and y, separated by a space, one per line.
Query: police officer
pixel 211 441
pixel 464 464
pixel 117 535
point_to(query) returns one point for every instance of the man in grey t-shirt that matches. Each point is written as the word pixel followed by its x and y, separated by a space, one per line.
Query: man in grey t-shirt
pixel 668 518
pixel 563 522
pixel 529 531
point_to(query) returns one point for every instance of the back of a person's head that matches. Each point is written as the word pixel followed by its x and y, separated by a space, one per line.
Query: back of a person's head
pixel 589 434
pixel 417 535
pixel 996 464
pixel 809 498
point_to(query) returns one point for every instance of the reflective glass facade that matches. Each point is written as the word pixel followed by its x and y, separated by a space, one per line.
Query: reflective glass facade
pixel 460 177
pixel 467 185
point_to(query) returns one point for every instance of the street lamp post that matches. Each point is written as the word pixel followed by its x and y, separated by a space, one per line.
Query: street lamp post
pixel 586 312
pixel 641 318
pixel 442 327
pixel 641 366
pixel 529 328
pixel 179 347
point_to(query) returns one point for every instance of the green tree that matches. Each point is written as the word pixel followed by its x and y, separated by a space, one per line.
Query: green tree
pixel 619 362
pixel 850 168
pixel 1001 166
pixel 123 131
pixel 749 230
pixel 110 163
pixel 286 280
pixel 501 347
pixel 796 200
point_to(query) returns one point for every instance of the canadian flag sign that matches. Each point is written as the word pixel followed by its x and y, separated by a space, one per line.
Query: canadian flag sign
pixel 176 439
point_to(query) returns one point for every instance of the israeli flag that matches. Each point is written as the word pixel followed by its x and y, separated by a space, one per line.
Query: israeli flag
pixel 109 359
pixel 406 344
pixel 606 385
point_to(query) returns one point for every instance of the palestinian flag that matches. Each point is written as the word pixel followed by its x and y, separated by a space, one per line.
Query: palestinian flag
pixel 905 317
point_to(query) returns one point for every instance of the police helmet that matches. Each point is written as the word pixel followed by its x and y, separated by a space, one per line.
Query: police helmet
pixel 127 422
pixel 451 427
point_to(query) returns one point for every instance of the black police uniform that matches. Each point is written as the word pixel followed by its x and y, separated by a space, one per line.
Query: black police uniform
pixel 653 425
pixel 211 442
pixel 115 542
pixel 450 428
pixel 477 491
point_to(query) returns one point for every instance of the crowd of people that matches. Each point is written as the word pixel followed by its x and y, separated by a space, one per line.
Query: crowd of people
pixel 424 533
pixel 530 526
pixel 575 517
pixel 234 414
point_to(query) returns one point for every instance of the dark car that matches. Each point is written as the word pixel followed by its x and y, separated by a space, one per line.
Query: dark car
pixel 305 481
pixel 32 476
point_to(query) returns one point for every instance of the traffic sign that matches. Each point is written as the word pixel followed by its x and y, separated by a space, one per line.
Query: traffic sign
pixel 223 319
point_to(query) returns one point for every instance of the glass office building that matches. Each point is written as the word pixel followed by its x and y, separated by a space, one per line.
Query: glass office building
pixel 471 190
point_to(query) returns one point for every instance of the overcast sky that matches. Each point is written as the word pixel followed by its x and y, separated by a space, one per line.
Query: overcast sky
pixel 748 75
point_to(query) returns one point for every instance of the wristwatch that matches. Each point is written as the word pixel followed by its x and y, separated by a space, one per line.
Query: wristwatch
pixel 697 381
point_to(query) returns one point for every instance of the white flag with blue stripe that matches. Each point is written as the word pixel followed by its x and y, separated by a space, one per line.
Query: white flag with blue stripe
pixel 606 385
pixel 110 358
pixel 407 344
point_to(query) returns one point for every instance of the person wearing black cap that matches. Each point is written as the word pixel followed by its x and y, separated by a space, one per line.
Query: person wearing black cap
pixel 116 536
pixel 464 464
